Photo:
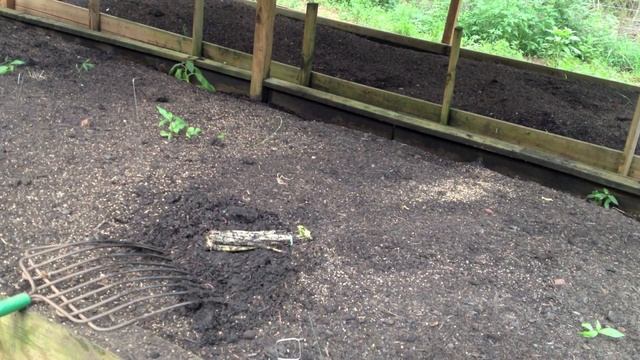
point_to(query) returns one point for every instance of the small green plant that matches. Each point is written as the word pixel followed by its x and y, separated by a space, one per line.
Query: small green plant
pixel 561 43
pixel 85 66
pixel 221 136
pixel 174 125
pixel 588 331
pixel 304 233
pixel 603 198
pixel 10 66
pixel 186 70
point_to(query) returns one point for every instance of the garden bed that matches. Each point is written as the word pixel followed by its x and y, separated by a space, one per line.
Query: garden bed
pixel 413 256
pixel 573 108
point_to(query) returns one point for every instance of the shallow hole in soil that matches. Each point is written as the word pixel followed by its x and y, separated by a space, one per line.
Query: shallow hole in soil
pixel 250 286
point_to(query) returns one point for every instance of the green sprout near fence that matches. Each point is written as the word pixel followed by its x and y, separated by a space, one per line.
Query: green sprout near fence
pixel 603 198
pixel 175 125
pixel 10 66
pixel 85 66
pixel 187 70
pixel 588 331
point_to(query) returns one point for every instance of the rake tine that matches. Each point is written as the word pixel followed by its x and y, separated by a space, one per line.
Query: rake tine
pixel 110 286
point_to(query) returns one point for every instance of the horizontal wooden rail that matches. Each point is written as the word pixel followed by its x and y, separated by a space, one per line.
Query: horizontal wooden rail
pixel 443 49
pixel 237 64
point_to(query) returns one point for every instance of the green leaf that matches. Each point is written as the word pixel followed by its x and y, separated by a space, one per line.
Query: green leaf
pixel 192 132
pixel 17 62
pixel 164 113
pixel 166 134
pixel 175 68
pixel 587 326
pixel 589 333
pixel 5 69
pixel 607 203
pixel 204 83
pixel 190 66
pixel 180 74
pixel 177 125
pixel 598 325
pixel 611 332
pixel 614 200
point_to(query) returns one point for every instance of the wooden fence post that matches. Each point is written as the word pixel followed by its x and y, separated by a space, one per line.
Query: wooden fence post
pixel 262 46
pixel 452 20
pixel 450 82
pixel 10 4
pixel 308 44
pixel 198 28
pixel 94 15
pixel 632 142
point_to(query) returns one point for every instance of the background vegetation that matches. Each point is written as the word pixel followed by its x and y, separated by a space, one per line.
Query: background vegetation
pixel 597 37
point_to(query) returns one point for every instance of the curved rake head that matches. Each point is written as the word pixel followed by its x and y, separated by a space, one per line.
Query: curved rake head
pixel 107 284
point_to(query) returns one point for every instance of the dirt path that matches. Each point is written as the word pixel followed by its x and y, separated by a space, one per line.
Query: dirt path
pixel 414 257
pixel 575 109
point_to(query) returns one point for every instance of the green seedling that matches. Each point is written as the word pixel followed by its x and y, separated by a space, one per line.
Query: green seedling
pixel 186 70
pixel 221 136
pixel 588 331
pixel 85 66
pixel 192 132
pixel 174 125
pixel 603 198
pixel 10 66
pixel 304 233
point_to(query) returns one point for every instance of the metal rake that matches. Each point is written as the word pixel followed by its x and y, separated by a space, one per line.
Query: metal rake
pixel 104 284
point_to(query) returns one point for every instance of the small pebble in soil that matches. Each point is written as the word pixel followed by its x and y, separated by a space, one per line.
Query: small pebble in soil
pixel 154 355
pixel 156 13
pixel 330 308
pixel 249 334
pixel 248 161
pixel 348 317
pixel 409 338
pixel 616 317
pixel 388 321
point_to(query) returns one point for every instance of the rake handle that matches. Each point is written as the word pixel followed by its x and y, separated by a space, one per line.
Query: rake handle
pixel 14 303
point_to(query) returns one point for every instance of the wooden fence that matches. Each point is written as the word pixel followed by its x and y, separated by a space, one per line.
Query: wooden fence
pixel 610 167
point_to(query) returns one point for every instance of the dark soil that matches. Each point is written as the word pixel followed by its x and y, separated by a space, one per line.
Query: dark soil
pixel 577 109
pixel 413 256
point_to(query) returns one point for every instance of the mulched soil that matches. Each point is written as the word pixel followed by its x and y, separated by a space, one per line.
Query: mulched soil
pixel 414 256
pixel 576 109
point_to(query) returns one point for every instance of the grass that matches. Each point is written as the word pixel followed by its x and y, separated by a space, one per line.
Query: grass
pixel 566 34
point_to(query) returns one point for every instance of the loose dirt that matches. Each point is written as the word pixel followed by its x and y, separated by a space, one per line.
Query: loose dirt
pixel 413 256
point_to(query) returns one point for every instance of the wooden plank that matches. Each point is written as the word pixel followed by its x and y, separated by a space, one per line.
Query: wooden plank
pixel 26 335
pixel 146 34
pixel 10 4
pixel 452 21
pixel 462 136
pixel 227 56
pixel 450 82
pixel 308 44
pixel 589 154
pixel 94 15
pixel 632 142
pixel 437 48
pixel 262 46
pixel 198 28
pixel 56 10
